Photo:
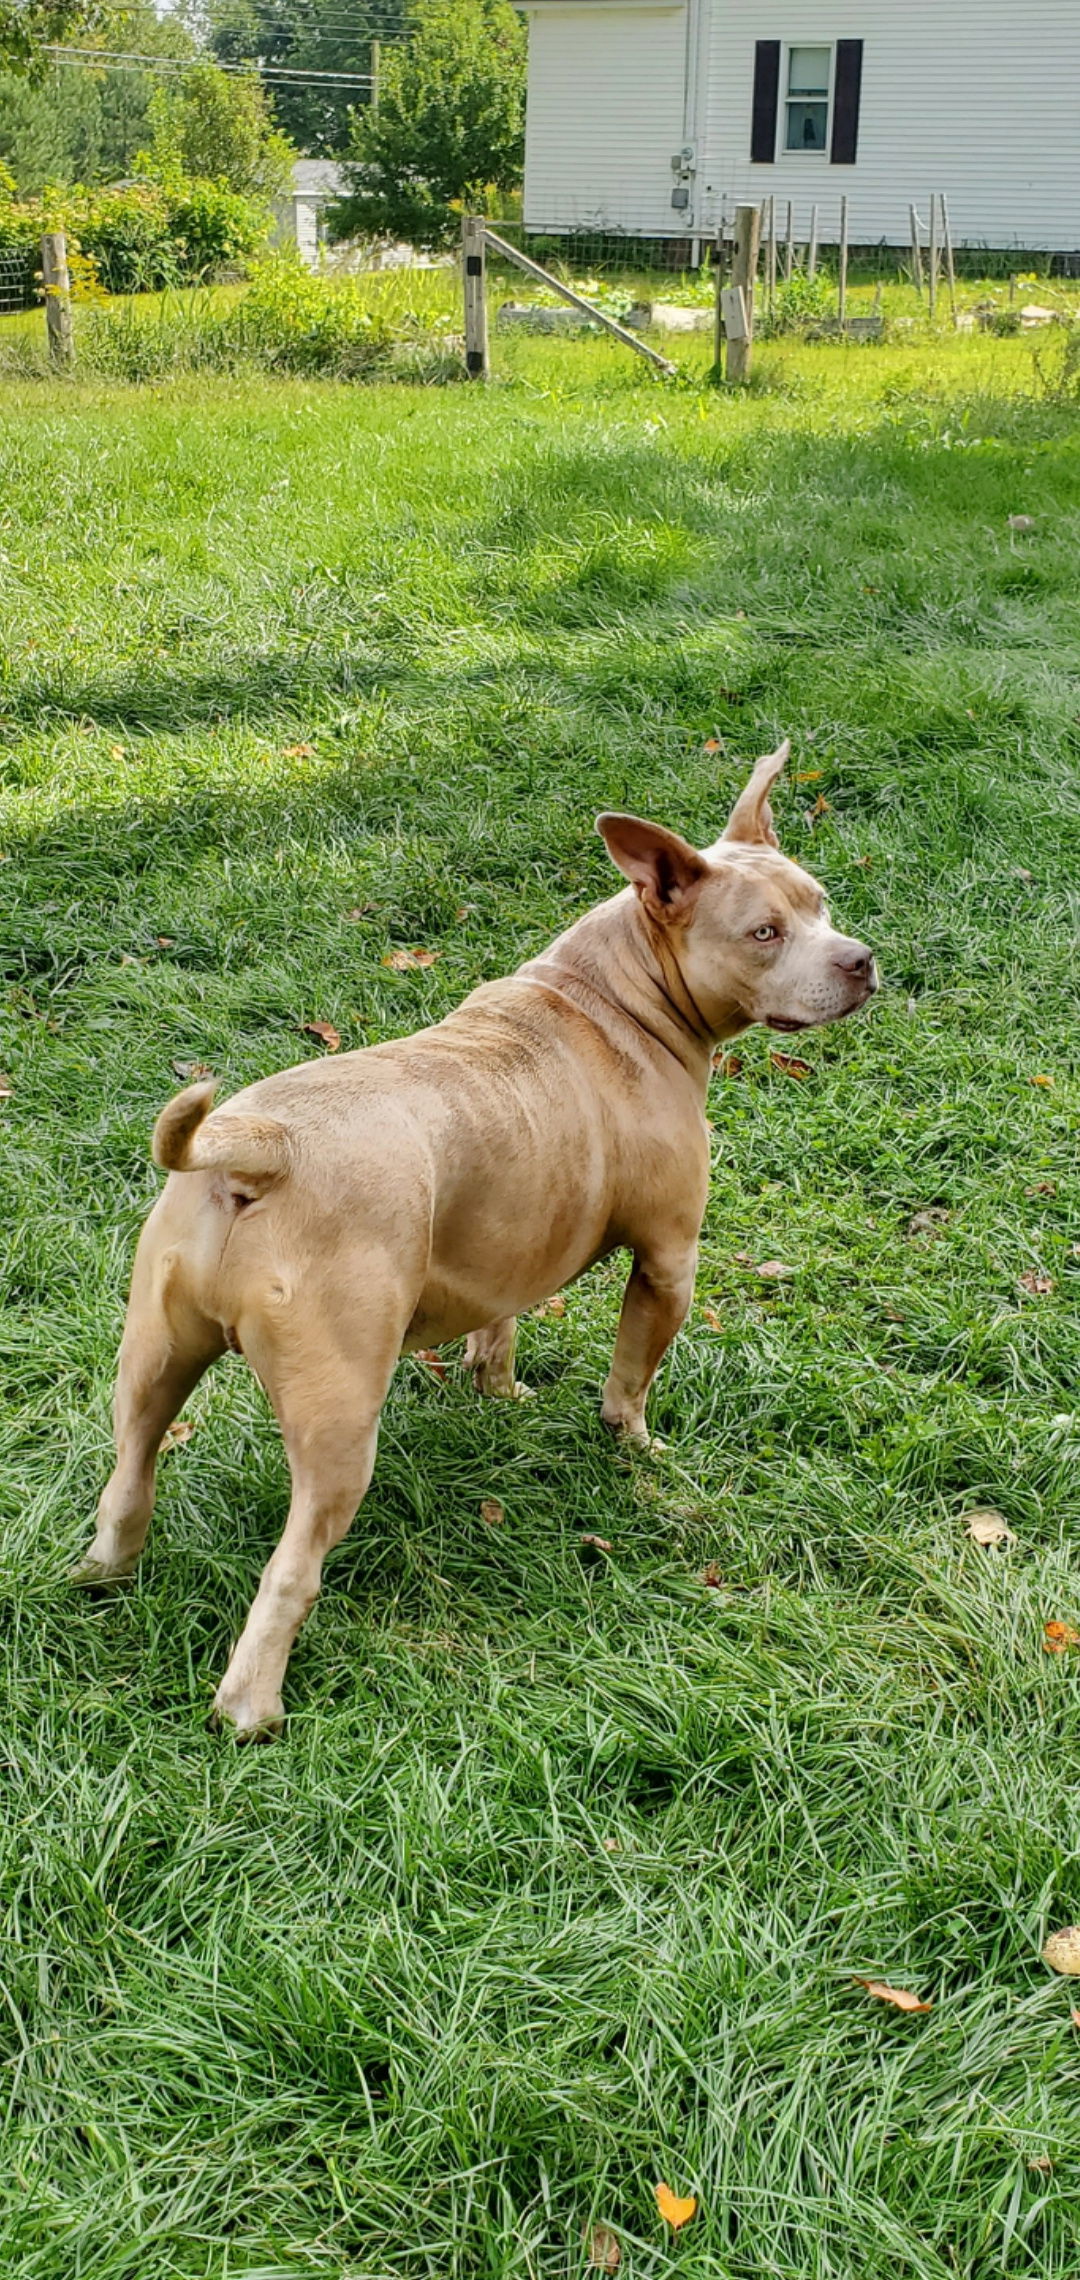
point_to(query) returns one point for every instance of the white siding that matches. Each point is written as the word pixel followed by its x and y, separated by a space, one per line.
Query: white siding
pixel 978 98
pixel 604 115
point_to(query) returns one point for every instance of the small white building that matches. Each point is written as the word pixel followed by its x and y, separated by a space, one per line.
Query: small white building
pixel 301 209
pixel 655 116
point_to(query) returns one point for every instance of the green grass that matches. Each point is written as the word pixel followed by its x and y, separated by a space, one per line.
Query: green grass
pixel 558 1881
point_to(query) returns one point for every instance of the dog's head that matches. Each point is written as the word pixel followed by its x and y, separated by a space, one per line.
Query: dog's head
pixel 748 930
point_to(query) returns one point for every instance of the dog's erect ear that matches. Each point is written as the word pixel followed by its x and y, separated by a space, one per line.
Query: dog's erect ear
pixel 751 818
pixel 664 870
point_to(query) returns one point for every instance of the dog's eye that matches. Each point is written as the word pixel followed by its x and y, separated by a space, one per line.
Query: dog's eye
pixel 766 933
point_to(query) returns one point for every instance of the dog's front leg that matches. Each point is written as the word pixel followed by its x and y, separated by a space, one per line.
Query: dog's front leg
pixel 655 1304
pixel 489 1354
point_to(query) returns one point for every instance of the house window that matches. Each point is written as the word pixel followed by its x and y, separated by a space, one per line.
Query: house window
pixel 806 107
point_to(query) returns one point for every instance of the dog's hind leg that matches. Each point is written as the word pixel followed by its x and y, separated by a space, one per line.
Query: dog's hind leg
pixel 489 1355
pixel 167 1344
pixel 326 1371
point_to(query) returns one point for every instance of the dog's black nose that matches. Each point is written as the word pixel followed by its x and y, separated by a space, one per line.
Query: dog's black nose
pixel 855 959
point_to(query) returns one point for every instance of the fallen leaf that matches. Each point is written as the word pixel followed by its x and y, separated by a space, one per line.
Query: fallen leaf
pixel 555 1305
pixel 493 1512
pixel 713 1576
pixel 611 1844
pixel 821 805
pixel 191 1071
pixel 891 1315
pixel 1075 2017
pixel 1020 873
pixel 899 1997
pixel 774 1270
pixel 863 862
pixel 810 776
pixel 711 744
pixel 727 1064
pixel 675 2211
pixel 1046 1082
pixel 118 752
pixel 1040 1286
pixel 989 1527
pixel 432 1360
pixel 605 2254
pixel 926 1222
pixel 298 752
pixel 599 1543
pixel 1057 1639
pixel 742 1259
pixel 177 1435
pixel 326 1030
pixel 166 941
pixel 790 1064
pixel 1021 523
pixel 362 910
pixel 1061 1950
pixel 1042 2162
pixel 714 1320
pixel 6 1088
pixel 126 959
pixel 406 961
pixel 464 910
pixel 1042 1187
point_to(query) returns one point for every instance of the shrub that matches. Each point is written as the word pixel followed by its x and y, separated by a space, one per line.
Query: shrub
pixel 300 323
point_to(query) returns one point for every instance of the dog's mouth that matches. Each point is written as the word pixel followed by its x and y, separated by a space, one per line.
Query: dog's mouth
pixel 786 1028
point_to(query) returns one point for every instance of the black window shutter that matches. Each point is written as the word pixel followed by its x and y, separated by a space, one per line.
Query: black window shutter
pixel 766 98
pixel 846 89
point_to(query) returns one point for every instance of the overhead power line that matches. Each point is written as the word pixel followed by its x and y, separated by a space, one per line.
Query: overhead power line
pixel 107 59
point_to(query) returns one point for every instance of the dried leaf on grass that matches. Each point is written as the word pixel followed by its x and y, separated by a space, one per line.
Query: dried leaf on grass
pixel 298 752
pixel 325 1029
pixel 177 1434
pixel 1046 1082
pixel 605 2254
pixel 713 1576
pixel 166 941
pixel 790 1065
pixel 676 2210
pixel 359 910
pixel 727 1065
pixel 1042 1187
pixel 1075 2017
pixel 1061 1950
pixel 598 1543
pixel 555 1305
pixel 899 1997
pixel 6 1088
pixel 710 1315
pixel 810 776
pixel 989 1527
pixel 406 961
pixel 712 744
pixel 927 1222
pixel 493 1512
pixel 192 1071
pixel 1039 1286
pixel 821 806
pixel 1059 1637
pixel 774 1270
pixel 432 1360
pixel 1041 2162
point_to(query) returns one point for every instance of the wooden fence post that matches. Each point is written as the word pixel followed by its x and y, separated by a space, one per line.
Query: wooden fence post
pixel 57 284
pixel 841 296
pixel 738 300
pixel 718 318
pixel 932 259
pixel 473 236
pixel 811 250
pixel 916 252
pixel 949 265
pixel 770 261
pixel 789 243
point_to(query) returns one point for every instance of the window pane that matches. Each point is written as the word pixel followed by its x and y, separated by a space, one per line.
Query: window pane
pixel 808 70
pixel 806 123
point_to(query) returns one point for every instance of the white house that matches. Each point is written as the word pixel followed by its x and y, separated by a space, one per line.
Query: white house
pixel 655 116
pixel 300 211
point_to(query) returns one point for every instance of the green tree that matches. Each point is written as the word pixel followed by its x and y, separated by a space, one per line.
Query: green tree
pixel 320 35
pixel 217 126
pixel 29 27
pixel 449 127
pixel 84 124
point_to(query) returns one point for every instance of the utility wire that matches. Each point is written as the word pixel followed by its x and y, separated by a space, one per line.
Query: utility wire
pixel 106 59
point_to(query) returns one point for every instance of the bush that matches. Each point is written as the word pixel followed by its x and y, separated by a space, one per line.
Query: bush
pixel 801 303
pixel 300 323
pixel 146 236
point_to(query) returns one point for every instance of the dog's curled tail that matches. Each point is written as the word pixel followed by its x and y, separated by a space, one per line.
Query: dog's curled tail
pixel 254 1149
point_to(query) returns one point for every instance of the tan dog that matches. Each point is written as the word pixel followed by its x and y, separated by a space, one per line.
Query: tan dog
pixel 347 1211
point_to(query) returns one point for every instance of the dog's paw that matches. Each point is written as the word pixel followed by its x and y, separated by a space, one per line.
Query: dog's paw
pixel 247 1719
pixel 90 1574
pixel 632 1434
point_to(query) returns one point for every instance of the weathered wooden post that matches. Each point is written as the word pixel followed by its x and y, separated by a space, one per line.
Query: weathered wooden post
pixel 473 237
pixel 811 250
pixel 932 259
pixel 57 284
pixel 841 295
pixel 946 234
pixel 916 252
pixel 718 313
pixel 789 243
pixel 770 261
pixel 738 298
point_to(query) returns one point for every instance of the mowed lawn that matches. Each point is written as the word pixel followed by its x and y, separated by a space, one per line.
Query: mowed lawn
pixel 560 1880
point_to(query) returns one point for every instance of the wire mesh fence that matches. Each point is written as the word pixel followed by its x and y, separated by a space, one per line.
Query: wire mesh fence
pixel 17 279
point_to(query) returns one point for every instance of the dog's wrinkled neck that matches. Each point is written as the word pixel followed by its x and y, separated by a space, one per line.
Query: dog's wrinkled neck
pixel 618 955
